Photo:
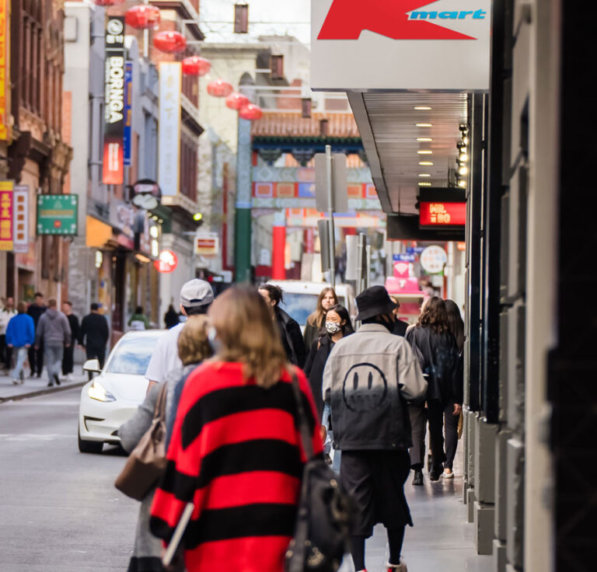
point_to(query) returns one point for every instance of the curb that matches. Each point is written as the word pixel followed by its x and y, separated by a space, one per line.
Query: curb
pixel 43 392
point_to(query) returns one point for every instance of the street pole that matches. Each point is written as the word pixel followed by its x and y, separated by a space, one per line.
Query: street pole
pixel 329 168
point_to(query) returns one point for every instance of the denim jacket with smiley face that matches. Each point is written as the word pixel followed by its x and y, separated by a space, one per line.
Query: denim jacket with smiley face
pixel 368 379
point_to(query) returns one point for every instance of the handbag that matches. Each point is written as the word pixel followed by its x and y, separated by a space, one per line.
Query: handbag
pixel 322 528
pixel 147 460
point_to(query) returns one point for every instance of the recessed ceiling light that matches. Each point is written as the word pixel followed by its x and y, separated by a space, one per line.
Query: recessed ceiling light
pixel 424 184
pixel 424 139
pixel 425 152
pixel 424 124
pixel 426 163
pixel 422 108
pixel 424 175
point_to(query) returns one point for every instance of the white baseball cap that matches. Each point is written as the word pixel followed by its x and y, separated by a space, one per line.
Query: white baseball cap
pixel 196 293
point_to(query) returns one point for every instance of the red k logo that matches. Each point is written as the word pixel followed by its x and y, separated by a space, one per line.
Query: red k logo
pixel 348 18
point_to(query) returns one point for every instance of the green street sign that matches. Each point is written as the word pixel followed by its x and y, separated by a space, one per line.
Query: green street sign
pixel 57 214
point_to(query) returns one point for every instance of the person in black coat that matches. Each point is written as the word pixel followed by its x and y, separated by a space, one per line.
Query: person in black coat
pixel 171 317
pixel 438 355
pixel 94 335
pixel 36 355
pixel 67 357
pixel 290 331
pixel 400 326
pixel 337 325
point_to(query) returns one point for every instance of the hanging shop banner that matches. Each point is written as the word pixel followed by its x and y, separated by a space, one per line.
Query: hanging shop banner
pixel 128 112
pixel 434 259
pixel 442 208
pixel 6 215
pixel 113 171
pixel 21 218
pixel 402 44
pixel 169 137
pixel 207 244
pixel 4 71
pixel 57 214
pixel 167 262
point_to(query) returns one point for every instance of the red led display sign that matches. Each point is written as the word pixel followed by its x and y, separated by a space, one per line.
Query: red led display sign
pixel 434 214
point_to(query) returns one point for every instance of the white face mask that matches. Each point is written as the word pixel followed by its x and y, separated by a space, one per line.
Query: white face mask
pixel 332 327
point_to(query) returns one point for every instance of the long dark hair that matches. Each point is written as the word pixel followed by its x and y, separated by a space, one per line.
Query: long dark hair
pixel 455 323
pixel 345 316
pixel 434 315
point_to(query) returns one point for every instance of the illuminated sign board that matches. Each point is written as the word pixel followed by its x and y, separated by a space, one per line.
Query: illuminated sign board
pixel 57 214
pixel 114 116
pixel 442 208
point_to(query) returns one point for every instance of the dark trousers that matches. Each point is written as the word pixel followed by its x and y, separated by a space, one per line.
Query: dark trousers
pixel 439 417
pixel 93 352
pixel 5 353
pixel 67 360
pixel 36 359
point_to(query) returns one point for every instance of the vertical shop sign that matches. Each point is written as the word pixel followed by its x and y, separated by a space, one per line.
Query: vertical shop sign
pixel 6 215
pixel 4 72
pixel 113 172
pixel 169 138
pixel 128 112
pixel 21 218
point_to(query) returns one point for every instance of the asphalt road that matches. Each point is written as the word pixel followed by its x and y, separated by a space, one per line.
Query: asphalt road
pixel 59 510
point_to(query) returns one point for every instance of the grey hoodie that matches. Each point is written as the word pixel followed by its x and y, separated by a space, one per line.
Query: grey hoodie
pixel 53 328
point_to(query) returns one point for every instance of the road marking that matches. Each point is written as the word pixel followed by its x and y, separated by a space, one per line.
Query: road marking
pixel 34 437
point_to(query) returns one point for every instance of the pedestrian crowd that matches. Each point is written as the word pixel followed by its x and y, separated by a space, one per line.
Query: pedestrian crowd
pixel 239 378
pixel 38 334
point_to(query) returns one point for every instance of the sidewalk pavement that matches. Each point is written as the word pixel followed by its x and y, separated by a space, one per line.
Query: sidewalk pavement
pixel 33 386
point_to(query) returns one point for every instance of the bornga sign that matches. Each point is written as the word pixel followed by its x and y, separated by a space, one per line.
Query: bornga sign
pixel 452 15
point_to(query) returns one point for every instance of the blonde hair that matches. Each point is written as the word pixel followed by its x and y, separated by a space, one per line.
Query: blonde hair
pixel 248 335
pixel 193 345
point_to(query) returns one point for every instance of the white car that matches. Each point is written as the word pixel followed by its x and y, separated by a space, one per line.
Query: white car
pixel 300 298
pixel 112 397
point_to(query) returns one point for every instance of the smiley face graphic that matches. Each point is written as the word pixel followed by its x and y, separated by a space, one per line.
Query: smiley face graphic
pixel 364 388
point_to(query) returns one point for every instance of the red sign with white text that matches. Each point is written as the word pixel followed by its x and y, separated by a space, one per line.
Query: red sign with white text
pixel 442 214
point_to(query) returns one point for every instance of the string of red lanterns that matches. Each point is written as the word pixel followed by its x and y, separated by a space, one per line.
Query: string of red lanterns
pixel 196 66
pixel 219 88
pixel 108 2
pixel 237 101
pixel 143 17
pixel 251 112
pixel 170 42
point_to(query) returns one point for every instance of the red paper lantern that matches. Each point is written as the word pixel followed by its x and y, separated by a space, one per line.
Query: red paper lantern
pixel 219 88
pixel 143 17
pixel 108 2
pixel 237 101
pixel 251 112
pixel 195 65
pixel 170 42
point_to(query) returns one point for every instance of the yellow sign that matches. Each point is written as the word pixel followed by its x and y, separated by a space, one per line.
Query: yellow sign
pixel 4 72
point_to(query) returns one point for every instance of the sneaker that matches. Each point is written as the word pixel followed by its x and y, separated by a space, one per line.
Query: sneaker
pixel 56 379
pixel 50 384
pixel 397 567
pixel 447 474
pixel 15 382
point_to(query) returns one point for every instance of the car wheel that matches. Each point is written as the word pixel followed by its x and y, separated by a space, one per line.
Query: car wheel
pixel 89 446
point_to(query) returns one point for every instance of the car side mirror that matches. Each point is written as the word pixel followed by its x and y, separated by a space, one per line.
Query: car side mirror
pixel 92 365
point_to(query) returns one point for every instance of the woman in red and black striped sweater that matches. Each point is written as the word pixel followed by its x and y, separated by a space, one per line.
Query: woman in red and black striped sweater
pixel 235 451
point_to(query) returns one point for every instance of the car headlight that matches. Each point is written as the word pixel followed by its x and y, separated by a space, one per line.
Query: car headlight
pixel 98 391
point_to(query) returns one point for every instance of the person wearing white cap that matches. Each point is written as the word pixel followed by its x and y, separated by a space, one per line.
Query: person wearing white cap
pixel 195 298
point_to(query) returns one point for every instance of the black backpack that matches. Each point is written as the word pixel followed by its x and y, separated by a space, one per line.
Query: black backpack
pixel 322 529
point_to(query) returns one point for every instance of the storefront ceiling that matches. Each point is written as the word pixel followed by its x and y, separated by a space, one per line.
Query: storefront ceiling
pixel 388 121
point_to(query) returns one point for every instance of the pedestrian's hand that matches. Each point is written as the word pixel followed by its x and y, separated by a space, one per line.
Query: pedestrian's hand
pixel 457 409
pixel 36 348
pixel 10 346
pixel 26 345
pixel 67 345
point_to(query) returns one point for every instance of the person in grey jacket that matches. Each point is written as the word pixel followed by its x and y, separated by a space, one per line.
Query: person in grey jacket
pixel 368 379
pixel 193 348
pixel 53 333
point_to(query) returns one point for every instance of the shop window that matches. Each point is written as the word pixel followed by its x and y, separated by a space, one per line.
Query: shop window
pixel 241 18
pixel 276 65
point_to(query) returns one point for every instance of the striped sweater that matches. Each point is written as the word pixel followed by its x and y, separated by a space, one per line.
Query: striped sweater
pixel 235 452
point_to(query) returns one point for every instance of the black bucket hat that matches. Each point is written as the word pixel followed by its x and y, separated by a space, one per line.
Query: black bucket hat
pixel 374 301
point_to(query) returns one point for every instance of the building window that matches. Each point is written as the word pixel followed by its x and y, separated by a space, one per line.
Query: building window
pixel 276 65
pixel 241 18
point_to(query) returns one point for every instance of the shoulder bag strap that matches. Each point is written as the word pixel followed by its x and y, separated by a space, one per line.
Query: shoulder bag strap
pixel 302 418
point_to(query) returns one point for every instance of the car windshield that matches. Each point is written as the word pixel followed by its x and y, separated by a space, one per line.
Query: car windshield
pixel 300 306
pixel 132 355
